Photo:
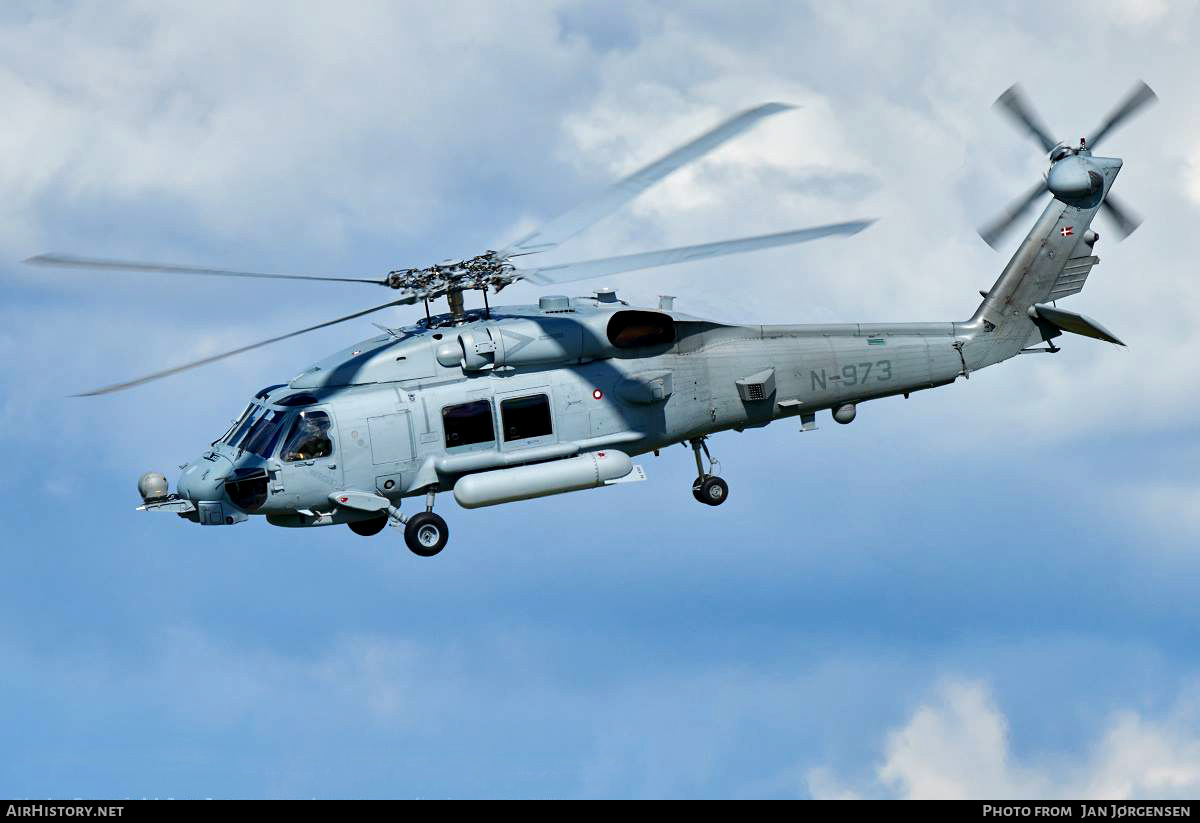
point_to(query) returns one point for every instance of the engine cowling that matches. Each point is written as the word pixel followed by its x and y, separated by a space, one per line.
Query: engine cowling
pixel 546 341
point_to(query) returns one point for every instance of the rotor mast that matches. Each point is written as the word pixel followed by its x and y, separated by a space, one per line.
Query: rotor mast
pixel 455 298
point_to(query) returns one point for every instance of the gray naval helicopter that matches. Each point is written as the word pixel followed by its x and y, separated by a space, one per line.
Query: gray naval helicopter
pixel 500 404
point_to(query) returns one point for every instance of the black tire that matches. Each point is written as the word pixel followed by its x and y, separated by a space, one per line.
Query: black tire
pixel 368 528
pixel 713 491
pixel 426 534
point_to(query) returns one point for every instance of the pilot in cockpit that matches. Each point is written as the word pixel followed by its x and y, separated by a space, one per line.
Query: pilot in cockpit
pixel 309 439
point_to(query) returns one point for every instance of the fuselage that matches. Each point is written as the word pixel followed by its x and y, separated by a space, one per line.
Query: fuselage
pixel 406 413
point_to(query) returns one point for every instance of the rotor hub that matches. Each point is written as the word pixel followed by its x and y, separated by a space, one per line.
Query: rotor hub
pixel 479 272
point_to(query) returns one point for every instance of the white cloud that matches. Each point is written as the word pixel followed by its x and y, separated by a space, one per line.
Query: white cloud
pixel 958 746
pixel 1138 12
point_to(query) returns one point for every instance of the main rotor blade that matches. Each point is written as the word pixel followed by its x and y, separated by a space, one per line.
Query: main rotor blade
pixel 572 222
pixel 1017 105
pixel 993 232
pixel 212 359
pixel 67 261
pixel 1125 220
pixel 567 272
pixel 1141 95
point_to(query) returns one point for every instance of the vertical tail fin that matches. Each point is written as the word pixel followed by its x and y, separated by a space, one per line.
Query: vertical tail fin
pixel 1052 262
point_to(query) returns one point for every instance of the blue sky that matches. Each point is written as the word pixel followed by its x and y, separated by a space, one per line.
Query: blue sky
pixel 985 590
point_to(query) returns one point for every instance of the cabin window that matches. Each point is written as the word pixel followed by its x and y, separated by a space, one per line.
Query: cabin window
pixel 635 329
pixel 308 438
pixel 525 417
pixel 468 423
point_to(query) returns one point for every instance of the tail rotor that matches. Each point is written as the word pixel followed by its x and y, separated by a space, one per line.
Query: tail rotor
pixel 1071 176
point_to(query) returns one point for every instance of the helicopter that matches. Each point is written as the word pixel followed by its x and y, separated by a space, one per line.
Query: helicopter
pixel 508 403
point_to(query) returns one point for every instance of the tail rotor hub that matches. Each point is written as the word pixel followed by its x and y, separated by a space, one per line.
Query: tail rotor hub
pixel 1074 176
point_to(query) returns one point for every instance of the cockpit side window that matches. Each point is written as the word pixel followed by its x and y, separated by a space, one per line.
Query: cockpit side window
pixel 308 438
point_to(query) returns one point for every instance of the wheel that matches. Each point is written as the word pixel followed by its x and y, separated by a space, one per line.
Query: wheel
pixel 712 491
pixel 426 534
pixel 366 528
pixel 699 481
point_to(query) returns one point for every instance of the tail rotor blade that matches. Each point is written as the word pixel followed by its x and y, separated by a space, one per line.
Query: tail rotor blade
pixel 1124 219
pixel 993 232
pixel 1141 95
pixel 1016 104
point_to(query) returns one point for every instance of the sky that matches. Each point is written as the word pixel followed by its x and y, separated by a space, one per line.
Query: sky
pixel 986 590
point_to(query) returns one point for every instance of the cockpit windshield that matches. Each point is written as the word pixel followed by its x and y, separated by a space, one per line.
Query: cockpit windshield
pixel 239 429
pixel 265 434
pixel 241 418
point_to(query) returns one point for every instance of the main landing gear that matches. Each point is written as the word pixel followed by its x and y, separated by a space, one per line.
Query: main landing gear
pixel 425 533
pixel 707 488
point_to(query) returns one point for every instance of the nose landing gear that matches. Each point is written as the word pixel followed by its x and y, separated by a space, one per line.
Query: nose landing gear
pixel 707 488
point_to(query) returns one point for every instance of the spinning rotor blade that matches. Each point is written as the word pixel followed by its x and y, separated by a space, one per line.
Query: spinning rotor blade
pixel 1141 95
pixel 1125 220
pixel 572 222
pixel 1017 105
pixel 993 232
pixel 67 261
pixel 567 272
pixel 212 359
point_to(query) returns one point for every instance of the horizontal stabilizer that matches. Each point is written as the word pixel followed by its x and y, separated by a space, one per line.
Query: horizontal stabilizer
pixel 1069 321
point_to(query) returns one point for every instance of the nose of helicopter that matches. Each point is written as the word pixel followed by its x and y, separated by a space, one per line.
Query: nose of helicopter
pixel 203 479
